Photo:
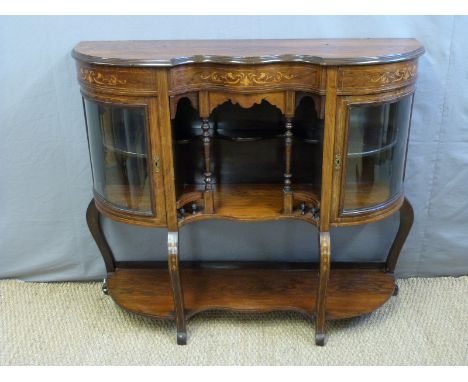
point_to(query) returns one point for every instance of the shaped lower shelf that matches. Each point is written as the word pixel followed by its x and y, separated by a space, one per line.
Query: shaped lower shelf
pixel 350 293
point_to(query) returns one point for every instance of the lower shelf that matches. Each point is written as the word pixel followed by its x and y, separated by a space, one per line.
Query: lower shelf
pixel 351 292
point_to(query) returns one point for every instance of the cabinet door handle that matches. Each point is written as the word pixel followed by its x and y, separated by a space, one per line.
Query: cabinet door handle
pixel 337 161
pixel 157 164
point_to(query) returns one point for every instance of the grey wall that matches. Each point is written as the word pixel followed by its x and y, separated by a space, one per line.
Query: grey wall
pixel 45 179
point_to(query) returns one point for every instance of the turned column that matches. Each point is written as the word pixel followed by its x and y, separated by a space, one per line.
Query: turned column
pixel 207 175
pixel 288 141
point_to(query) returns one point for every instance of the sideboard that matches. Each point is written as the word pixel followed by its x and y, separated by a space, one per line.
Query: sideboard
pixel 248 130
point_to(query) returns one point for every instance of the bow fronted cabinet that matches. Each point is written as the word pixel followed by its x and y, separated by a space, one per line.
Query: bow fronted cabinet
pixel 248 130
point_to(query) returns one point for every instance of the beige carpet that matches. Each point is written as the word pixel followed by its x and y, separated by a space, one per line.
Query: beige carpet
pixel 74 324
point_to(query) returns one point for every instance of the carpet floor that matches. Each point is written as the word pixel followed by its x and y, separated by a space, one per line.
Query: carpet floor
pixel 74 324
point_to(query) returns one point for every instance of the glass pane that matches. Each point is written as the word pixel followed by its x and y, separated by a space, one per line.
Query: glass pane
pixel 377 136
pixel 118 148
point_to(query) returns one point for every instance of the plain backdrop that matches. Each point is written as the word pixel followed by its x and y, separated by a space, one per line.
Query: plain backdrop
pixel 45 178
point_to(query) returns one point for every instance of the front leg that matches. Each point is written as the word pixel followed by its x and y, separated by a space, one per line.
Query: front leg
pixel 406 222
pixel 173 260
pixel 324 274
pixel 94 225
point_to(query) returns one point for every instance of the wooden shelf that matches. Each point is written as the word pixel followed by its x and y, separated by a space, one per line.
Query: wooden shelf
pixel 252 137
pixel 365 195
pixel 351 292
pixel 372 150
pixel 123 152
pixel 133 198
pixel 248 201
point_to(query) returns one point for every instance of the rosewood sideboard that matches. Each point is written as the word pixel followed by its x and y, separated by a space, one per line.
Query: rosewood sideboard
pixel 248 130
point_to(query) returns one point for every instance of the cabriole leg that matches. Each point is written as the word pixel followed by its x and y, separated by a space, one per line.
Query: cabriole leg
pixel 94 225
pixel 324 274
pixel 406 222
pixel 173 260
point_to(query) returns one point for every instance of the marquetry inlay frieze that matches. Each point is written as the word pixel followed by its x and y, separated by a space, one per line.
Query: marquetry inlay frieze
pixel 402 74
pixel 95 77
pixel 190 78
pixel 244 78
pixel 375 78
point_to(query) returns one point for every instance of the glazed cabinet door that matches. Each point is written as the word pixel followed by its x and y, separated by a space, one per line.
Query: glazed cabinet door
pixel 124 147
pixel 370 153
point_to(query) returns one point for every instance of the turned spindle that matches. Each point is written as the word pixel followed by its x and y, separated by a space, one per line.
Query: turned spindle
pixel 288 139
pixel 207 175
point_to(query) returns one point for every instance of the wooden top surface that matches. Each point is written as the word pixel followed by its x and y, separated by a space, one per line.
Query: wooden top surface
pixel 179 52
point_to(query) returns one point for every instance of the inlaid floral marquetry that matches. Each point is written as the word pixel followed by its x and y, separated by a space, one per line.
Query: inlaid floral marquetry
pixel 376 78
pixel 98 78
pixel 275 76
pixel 401 74
pixel 246 78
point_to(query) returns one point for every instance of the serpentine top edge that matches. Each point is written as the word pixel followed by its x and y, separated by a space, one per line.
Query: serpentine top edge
pixel 326 52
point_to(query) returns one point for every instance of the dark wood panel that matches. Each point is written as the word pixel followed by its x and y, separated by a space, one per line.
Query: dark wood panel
pixel 317 51
pixel 351 292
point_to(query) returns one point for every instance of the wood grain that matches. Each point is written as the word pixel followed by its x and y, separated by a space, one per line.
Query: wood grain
pixel 178 52
pixel 164 122
pixel 322 287
pixel 249 202
pixel 328 153
pixel 351 292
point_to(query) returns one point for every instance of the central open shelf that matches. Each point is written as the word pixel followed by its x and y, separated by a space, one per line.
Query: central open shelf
pixel 259 163
pixel 351 292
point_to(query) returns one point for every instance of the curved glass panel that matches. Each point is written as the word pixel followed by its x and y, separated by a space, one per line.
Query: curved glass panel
pixel 118 149
pixel 377 137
